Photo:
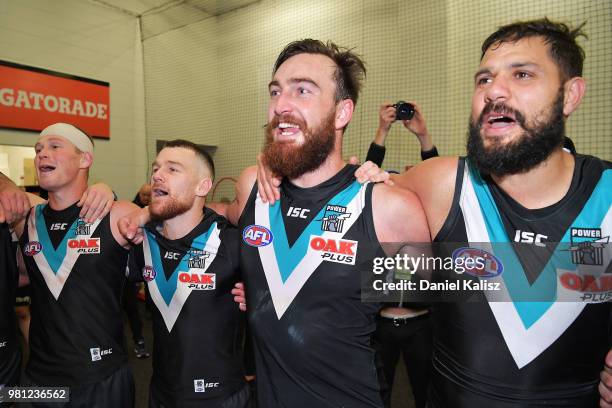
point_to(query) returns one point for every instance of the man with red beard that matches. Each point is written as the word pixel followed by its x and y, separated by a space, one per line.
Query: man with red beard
pixel 189 260
pixel 518 185
pixel 302 257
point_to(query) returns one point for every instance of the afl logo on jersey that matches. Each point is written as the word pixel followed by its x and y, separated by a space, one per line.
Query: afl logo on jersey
pixel 478 262
pixel 257 236
pixel 148 273
pixel 32 248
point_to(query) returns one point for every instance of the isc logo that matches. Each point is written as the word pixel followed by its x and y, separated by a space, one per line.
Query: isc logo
pixel 171 255
pixel 297 212
pixel 97 354
pixel 2 343
pixel 201 385
pixel 257 235
pixel 32 248
pixel 58 226
pixel 85 246
pixel 335 250
pixel 198 281
pixel 530 238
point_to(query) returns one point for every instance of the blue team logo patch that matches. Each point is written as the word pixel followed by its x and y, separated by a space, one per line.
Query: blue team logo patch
pixel 148 273
pixel 32 248
pixel 257 236
pixel 478 262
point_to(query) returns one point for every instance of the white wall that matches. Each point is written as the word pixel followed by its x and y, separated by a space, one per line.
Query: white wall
pixel 84 39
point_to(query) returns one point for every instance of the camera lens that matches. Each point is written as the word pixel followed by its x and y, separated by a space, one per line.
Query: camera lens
pixel 404 110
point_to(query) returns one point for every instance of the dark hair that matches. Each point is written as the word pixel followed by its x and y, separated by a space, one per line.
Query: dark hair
pixel 350 69
pixel 198 150
pixel 564 49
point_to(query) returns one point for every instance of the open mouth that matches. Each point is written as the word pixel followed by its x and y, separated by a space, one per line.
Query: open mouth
pixel 288 129
pixel 159 192
pixel 497 120
pixel 46 168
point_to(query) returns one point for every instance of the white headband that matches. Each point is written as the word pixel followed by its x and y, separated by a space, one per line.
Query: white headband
pixel 70 133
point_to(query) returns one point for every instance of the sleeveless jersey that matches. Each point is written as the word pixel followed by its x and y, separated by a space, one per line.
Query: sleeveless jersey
pixel 197 360
pixel 10 352
pixel 302 260
pixel 520 353
pixel 77 273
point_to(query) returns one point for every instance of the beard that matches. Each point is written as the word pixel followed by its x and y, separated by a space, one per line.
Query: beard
pixel 170 209
pixel 291 161
pixel 531 148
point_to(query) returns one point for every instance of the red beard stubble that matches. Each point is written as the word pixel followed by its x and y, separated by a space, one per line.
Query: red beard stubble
pixel 291 161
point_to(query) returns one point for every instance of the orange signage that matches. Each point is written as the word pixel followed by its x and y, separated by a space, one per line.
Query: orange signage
pixel 34 98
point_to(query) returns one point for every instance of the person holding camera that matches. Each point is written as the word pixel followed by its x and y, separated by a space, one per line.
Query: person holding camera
pixel 412 118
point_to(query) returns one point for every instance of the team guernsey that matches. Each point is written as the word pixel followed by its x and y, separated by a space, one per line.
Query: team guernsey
pixel 10 353
pixel 197 360
pixel 536 347
pixel 302 260
pixel 77 272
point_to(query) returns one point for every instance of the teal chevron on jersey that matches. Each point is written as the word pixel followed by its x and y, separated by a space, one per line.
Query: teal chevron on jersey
pixel 289 257
pixel 54 256
pixel 167 287
pixel 545 286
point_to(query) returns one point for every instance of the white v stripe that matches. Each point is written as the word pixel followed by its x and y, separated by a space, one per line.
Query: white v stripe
pixel 170 312
pixel 283 293
pixel 55 282
pixel 525 344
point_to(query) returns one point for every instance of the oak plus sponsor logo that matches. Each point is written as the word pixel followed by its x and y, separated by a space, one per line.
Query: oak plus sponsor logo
pixel 198 281
pixel 333 218
pixel 97 354
pixel 85 246
pixel 257 235
pixel 342 251
pixel 32 248
pixel 200 385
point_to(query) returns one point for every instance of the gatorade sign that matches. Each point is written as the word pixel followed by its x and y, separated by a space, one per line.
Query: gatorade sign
pixel 34 98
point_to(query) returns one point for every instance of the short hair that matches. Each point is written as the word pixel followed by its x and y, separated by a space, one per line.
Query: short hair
pixel 350 69
pixel 561 38
pixel 198 150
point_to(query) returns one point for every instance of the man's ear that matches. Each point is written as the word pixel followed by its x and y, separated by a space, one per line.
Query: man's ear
pixel 86 160
pixel 574 90
pixel 344 113
pixel 203 187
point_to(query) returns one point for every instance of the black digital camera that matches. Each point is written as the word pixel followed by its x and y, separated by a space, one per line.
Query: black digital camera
pixel 403 110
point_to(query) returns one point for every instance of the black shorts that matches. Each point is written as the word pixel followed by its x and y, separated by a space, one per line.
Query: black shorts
pixel 240 399
pixel 114 391
pixel 22 296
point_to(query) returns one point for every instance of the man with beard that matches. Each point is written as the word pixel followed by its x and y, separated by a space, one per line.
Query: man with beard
pixel 302 258
pixel 189 259
pixel 77 271
pixel 517 184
